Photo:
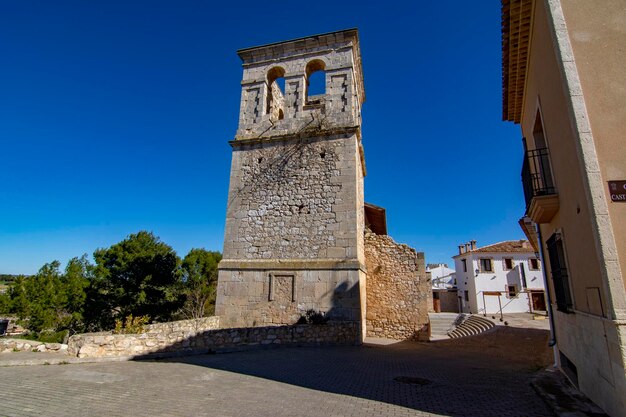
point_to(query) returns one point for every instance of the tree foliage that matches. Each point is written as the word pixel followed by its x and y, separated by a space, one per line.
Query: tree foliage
pixel 50 300
pixel 200 278
pixel 5 303
pixel 139 277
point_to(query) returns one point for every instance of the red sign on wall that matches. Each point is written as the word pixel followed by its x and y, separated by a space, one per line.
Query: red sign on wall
pixel 617 190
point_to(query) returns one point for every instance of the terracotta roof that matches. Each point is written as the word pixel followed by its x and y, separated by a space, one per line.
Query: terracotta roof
pixel 507 246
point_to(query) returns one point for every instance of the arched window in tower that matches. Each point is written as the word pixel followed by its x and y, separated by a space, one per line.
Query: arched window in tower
pixel 275 93
pixel 315 81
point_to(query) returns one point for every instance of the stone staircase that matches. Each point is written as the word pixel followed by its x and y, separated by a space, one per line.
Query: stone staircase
pixel 442 323
pixel 455 325
pixel 471 326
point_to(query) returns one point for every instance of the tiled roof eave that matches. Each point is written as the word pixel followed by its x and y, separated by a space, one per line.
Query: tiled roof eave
pixel 516 27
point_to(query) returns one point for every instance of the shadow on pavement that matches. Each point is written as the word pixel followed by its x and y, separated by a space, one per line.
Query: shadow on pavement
pixel 484 375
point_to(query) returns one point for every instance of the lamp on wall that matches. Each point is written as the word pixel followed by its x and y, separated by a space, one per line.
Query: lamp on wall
pixel 477 271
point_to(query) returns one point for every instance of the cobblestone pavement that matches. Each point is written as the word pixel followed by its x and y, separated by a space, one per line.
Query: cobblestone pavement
pixel 484 375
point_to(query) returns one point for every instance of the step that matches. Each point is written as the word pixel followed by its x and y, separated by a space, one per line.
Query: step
pixel 473 325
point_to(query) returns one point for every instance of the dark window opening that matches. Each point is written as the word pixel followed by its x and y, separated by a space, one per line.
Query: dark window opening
pixel 466 295
pixel 534 264
pixel 508 264
pixel 511 291
pixel 464 262
pixel 485 265
pixel 538 136
pixel 560 278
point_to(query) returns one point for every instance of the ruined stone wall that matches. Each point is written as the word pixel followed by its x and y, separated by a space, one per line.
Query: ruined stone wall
pixel 398 289
pixel 94 345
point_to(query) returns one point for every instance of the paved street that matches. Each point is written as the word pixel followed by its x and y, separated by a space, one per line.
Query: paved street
pixel 486 375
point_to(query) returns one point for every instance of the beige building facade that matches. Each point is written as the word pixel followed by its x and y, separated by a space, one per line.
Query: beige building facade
pixel 564 83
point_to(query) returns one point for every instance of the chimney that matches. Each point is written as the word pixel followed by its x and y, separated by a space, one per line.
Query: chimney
pixel 461 251
pixel 467 247
pixel 524 244
pixel 473 244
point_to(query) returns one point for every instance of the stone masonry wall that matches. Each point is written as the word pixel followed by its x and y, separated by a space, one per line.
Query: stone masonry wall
pixel 23 345
pixel 293 199
pixel 288 196
pixel 261 297
pixel 398 289
pixel 184 327
pixel 155 336
pixel 343 86
pixel 163 343
pixel 291 241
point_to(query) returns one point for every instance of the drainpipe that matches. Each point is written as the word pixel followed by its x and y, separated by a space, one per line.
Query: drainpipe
pixel 552 341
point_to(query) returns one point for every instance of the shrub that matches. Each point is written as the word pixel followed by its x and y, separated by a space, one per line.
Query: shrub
pixel 132 325
pixel 46 336
pixel 52 337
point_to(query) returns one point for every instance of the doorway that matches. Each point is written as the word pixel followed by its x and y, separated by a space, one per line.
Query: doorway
pixel 538 299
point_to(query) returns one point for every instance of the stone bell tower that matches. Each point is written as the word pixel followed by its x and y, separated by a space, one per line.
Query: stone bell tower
pixel 294 223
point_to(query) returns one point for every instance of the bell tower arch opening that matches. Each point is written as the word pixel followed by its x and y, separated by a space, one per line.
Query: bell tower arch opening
pixel 315 80
pixel 275 93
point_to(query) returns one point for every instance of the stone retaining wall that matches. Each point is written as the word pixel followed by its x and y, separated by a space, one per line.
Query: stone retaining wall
pixel 164 343
pixel 186 327
pixel 23 345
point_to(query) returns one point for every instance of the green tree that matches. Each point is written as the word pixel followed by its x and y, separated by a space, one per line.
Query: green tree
pixel 200 277
pixel 19 304
pixel 5 303
pixel 140 276
pixel 74 283
pixel 46 299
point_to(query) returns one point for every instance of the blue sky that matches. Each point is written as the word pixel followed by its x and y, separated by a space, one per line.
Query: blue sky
pixel 115 117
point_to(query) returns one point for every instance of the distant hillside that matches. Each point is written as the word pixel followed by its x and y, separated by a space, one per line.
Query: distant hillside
pixel 8 278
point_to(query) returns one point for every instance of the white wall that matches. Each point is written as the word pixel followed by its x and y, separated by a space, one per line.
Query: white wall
pixel 442 276
pixel 497 280
pixel 465 282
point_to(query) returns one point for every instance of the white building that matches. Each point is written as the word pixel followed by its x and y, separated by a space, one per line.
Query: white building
pixel 441 276
pixel 505 277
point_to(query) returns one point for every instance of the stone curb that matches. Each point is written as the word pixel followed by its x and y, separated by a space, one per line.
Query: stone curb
pixel 60 360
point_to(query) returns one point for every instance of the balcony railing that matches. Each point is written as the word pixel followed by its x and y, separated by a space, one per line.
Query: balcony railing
pixel 537 175
pixel 542 201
